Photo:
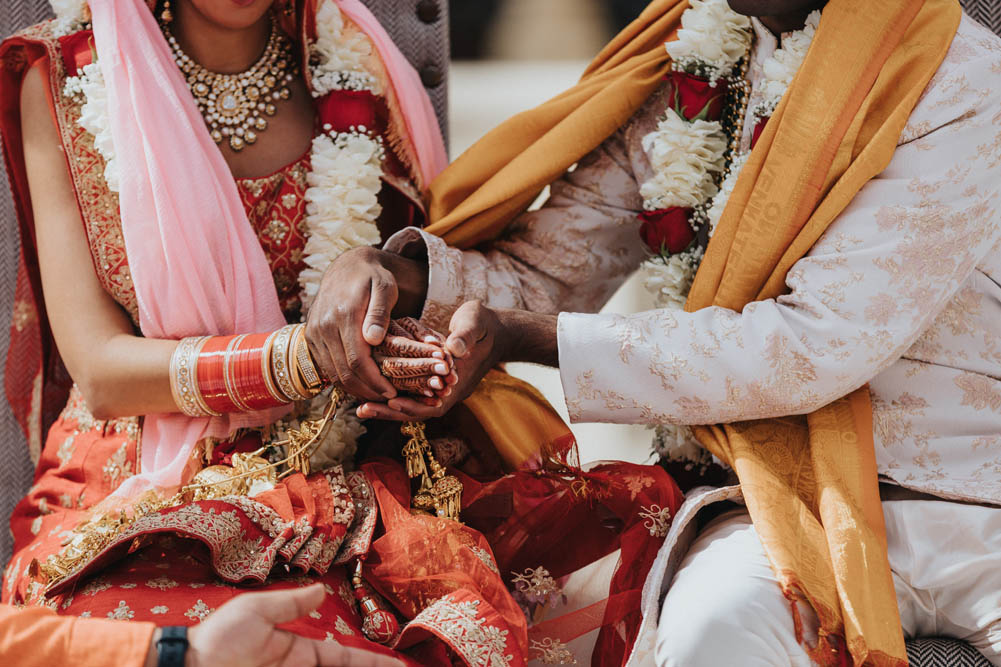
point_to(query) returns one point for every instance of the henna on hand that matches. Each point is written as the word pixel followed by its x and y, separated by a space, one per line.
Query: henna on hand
pixel 413 358
pixel 398 346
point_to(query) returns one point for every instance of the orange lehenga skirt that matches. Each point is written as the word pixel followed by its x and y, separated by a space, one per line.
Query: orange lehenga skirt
pixel 486 591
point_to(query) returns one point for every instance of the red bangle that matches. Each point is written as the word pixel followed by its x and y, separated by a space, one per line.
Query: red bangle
pixel 248 373
pixel 234 373
pixel 211 377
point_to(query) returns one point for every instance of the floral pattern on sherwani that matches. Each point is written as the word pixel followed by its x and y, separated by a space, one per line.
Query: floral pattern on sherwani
pixel 900 292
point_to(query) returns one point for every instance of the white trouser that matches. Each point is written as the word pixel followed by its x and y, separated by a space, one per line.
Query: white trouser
pixel 725 607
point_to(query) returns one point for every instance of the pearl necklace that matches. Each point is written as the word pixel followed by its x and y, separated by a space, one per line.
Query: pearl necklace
pixel 234 106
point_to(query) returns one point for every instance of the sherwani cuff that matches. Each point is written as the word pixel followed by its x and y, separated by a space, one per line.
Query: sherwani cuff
pixel 580 346
pixel 444 289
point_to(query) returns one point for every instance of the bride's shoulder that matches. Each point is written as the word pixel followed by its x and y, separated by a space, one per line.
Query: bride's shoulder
pixel 67 50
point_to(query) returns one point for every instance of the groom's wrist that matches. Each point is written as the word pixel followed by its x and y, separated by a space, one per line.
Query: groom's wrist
pixel 528 336
pixel 411 274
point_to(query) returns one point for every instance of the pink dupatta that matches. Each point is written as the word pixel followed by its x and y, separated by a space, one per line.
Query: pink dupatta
pixel 197 265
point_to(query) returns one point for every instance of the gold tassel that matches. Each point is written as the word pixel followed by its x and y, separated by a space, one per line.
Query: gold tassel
pixel 415 449
pixel 447 492
pixel 299 441
pixel 439 493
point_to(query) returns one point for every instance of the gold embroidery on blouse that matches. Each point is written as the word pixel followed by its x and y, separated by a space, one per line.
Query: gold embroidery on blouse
pixel 551 651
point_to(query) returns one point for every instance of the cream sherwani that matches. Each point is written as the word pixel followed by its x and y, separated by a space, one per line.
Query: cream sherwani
pixel 902 292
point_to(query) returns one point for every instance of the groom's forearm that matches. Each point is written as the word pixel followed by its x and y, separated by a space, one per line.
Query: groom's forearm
pixel 411 282
pixel 529 337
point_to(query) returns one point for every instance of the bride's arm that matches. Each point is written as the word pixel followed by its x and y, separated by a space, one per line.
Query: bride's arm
pixel 119 373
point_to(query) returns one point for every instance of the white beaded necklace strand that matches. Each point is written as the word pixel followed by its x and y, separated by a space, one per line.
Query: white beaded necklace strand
pixel 235 106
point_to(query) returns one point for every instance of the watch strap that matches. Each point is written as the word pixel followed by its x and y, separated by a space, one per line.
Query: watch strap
pixel 172 646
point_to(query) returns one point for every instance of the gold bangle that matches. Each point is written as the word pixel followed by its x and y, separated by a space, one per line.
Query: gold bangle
pixel 180 378
pixel 184 380
pixel 226 373
pixel 269 380
pixel 279 364
pixel 196 352
pixel 295 375
pixel 305 363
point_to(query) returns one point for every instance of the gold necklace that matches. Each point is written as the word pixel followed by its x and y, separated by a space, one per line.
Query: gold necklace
pixel 235 106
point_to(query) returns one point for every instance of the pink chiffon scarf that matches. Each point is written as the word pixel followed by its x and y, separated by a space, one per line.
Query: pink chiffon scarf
pixel 197 265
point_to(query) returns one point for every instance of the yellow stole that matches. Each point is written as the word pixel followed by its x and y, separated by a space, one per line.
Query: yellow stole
pixel 809 481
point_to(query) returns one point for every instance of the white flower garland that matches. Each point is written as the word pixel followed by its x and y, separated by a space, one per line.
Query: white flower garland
pixel 95 117
pixel 686 157
pixel 712 40
pixel 340 55
pixel 670 279
pixel 710 44
pixel 342 200
pixel 780 68
pixel 342 206
pixel 342 203
pixel 715 211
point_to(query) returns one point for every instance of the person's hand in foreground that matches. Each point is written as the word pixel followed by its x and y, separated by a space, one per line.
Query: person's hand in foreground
pixel 243 633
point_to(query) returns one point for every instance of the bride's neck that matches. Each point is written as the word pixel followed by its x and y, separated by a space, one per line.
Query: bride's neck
pixel 215 47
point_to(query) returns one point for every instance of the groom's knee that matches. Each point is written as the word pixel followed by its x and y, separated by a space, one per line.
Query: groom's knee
pixel 725 605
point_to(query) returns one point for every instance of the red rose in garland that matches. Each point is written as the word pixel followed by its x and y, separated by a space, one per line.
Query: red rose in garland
pixel 347 109
pixel 694 98
pixel 667 231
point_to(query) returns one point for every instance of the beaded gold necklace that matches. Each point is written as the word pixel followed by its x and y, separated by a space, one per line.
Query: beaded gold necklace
pixel 235 106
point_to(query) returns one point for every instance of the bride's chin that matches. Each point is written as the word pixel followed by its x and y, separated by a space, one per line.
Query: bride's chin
pixel 233 14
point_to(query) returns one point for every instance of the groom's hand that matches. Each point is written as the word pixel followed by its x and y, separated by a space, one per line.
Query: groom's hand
pixel 479 339
pixel 358 295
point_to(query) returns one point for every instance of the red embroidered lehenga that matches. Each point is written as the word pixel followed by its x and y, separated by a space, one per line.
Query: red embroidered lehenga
pixel 484 592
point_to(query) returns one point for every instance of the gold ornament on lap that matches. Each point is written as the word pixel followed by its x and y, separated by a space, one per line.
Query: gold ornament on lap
pixel 236 106
pixel 439 493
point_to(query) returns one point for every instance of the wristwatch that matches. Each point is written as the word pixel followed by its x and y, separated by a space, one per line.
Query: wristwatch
pixel 172 646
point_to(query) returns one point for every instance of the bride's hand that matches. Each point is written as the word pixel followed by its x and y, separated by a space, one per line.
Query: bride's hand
pixel 414 359
pixel 478 341
pixel 479 338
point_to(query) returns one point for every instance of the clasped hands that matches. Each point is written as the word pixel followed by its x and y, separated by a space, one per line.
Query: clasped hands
pixel 401 369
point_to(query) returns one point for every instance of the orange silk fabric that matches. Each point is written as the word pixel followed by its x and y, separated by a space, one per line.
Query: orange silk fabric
pixel 37 637
pixel 809 481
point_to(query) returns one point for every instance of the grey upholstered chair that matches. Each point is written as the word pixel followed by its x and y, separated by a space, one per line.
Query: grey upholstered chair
pixel 420 28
